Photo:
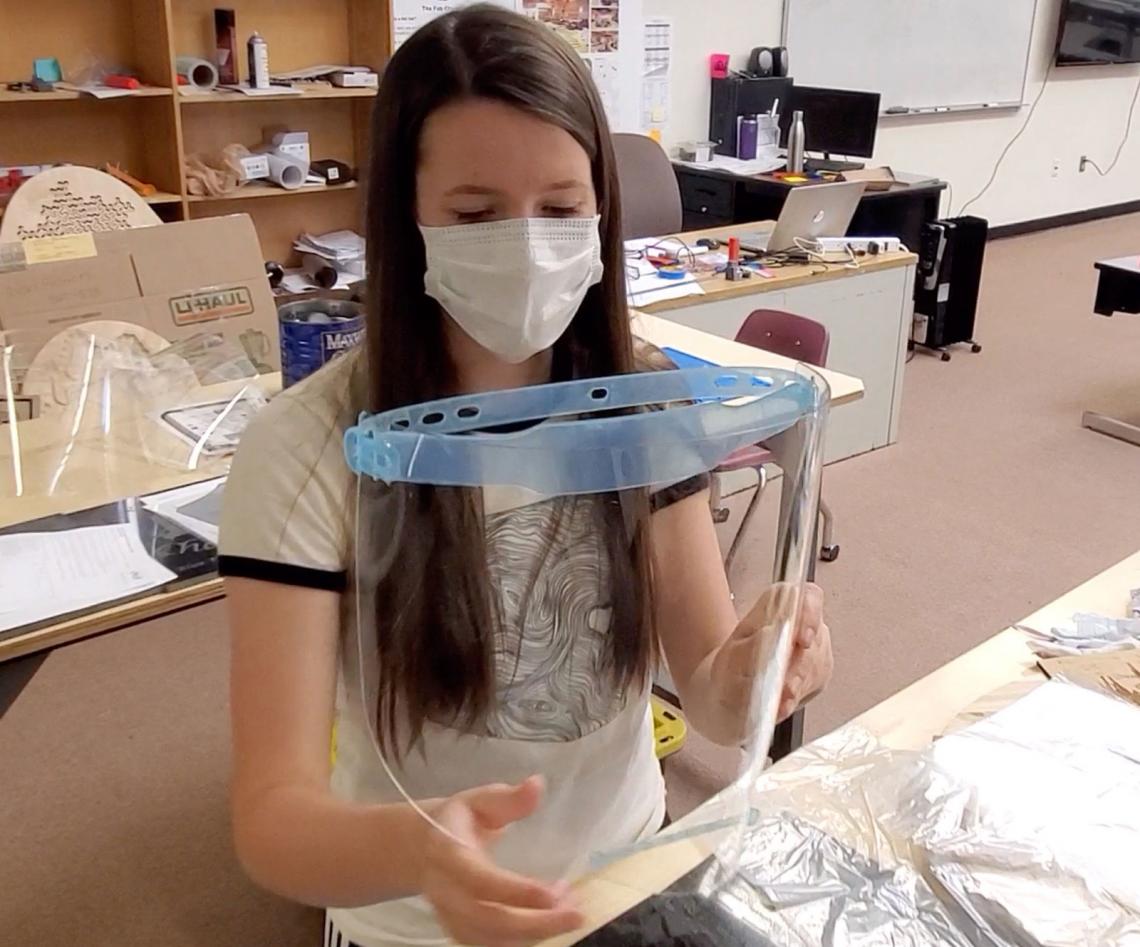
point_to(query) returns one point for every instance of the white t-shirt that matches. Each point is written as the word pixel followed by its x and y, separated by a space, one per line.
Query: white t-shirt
pixel 287 518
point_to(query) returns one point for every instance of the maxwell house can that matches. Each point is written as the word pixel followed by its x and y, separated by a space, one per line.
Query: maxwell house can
pixel 314 332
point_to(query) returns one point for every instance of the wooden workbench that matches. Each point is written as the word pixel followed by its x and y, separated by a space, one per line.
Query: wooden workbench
pixel 868 312
pixel 717 288
pixel 909 721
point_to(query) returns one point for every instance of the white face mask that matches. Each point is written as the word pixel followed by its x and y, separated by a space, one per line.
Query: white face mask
pixel 514 286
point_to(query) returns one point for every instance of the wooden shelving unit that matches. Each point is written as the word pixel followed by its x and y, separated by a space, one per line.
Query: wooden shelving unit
pixel 68 95
pixel 308 93
pixel 150 133
pixel 255 191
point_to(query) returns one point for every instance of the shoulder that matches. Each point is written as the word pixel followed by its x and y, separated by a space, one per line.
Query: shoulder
pixel 287 493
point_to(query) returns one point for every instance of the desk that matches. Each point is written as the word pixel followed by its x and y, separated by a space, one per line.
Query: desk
pixel 868 313
pixel 713 198
pixel 1118 290
pixel 908 721
pixel 133 476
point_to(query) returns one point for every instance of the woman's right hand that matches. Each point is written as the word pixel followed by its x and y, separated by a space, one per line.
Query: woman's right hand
pixel 477 902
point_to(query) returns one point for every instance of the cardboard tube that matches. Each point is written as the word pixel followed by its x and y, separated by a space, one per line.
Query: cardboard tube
pixel 200 73
pixel 287 173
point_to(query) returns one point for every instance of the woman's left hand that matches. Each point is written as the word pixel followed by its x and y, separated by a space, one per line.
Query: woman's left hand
pixel 738 661
pixel 812 661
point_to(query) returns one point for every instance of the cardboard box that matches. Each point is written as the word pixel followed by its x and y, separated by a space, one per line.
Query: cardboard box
pixel 176 279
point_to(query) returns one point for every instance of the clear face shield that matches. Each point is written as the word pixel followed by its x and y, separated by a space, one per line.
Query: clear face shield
pixel 557 484
pixel 108 410
pixel 97 405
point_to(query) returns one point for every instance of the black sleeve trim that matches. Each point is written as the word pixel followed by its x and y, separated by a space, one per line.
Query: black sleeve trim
pixel 678 491
pixel 239 567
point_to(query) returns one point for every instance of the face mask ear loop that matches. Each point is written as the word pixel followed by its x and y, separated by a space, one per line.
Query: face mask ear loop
pixel 388 558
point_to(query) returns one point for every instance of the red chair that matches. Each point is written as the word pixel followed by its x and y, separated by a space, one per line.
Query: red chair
pixel 806 341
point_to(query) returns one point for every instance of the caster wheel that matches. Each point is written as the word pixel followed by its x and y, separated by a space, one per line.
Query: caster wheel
pixel 975 348
pixel 829 553
pixel 945 356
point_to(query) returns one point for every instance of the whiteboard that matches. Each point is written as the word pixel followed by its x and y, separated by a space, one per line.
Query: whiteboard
pixel 923 55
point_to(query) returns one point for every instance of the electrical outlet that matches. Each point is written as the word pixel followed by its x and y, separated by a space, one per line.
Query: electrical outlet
pixel 1084 164
pixel 1056 168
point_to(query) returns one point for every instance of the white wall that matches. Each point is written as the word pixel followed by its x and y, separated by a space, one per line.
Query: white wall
pixel 1083 111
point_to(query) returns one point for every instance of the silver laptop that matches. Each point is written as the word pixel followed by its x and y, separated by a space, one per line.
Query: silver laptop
pixel 817 210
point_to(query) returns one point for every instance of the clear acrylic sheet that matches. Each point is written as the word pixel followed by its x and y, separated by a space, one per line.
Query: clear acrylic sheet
pixel 110 410
pixel 586 456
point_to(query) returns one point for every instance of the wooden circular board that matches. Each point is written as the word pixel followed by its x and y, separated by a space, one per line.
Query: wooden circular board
pixel 56 373
pixel 73 199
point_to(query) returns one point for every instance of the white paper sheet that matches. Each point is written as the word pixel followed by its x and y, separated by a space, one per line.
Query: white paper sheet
pixel 95 89
pixel 48 574
pixel 649 288
pixel 272 90
pixel 194 508
pixel 737 166
pixel 315 72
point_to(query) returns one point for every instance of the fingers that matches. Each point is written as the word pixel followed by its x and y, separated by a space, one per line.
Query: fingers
pixel 477 878
pixel 811 616
pixel 808 673
pixel 495 807
pixel 482 922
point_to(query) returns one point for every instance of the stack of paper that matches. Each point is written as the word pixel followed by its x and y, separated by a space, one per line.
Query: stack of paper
pixel 1090 634
pixel 643 284
pixel 45 575
pixel 764 165
pixel 340 246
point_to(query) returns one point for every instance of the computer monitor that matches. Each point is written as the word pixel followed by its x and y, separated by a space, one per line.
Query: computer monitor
pixel 837 122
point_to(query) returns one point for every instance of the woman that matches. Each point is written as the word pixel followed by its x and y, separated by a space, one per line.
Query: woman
pixel 496 262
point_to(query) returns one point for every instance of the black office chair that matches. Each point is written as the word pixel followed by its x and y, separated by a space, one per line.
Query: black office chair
pixel 650 194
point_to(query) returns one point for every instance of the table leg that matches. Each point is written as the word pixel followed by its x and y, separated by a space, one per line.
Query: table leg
pixel 15 676
pixel 1113 427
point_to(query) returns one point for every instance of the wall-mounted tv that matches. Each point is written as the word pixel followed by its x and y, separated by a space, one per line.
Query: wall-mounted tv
pixel 1098 32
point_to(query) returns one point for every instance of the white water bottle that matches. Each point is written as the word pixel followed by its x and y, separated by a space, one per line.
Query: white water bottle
pixel 797 137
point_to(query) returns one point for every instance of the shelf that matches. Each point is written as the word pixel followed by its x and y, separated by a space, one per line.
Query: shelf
pixel 308 93
pixel 255 191
pixel 62 95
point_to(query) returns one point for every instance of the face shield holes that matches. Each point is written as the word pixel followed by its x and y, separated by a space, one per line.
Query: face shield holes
pixel 467 413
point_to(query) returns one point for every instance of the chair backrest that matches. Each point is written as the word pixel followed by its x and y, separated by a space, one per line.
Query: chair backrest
pixel 650 194
pixel 786 334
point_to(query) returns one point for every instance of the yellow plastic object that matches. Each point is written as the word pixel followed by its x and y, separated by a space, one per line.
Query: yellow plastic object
pixel 669 728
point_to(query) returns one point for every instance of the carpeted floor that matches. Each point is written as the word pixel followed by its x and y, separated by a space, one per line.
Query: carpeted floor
pixel 113 758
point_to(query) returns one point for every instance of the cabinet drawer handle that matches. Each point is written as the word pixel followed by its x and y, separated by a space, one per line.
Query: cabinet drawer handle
pixel 704 210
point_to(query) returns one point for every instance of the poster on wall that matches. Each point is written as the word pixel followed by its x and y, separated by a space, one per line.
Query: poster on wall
pixel 655 75
pixel 606 33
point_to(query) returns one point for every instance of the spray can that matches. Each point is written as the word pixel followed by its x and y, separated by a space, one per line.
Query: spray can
pixel 258 51
pixel 797 139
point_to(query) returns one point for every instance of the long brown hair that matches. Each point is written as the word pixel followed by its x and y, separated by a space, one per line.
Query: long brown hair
pixel 436 614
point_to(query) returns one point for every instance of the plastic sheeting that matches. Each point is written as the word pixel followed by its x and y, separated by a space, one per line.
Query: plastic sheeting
pixel 1020 831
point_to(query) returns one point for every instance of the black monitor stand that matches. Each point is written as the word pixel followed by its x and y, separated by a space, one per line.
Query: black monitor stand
pixel 827 164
